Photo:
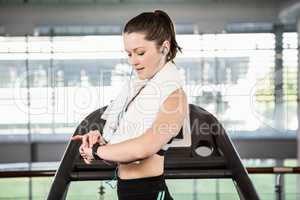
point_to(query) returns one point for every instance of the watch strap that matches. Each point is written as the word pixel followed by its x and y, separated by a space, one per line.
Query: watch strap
pixel 94 151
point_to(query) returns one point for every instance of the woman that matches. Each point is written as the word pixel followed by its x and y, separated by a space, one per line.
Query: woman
pixel 146 115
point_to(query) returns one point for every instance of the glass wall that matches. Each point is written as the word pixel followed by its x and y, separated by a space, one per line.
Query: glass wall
pixel 188 189
pixel 49 84
pixel 52 83
pixel 290 67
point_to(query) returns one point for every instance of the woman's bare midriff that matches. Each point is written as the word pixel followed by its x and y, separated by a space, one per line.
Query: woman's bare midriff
pixel 152 166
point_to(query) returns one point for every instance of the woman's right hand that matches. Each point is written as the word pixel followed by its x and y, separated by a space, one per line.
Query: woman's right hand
pixel 90 138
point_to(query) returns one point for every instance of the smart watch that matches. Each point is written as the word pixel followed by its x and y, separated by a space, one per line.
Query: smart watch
pixel 94 151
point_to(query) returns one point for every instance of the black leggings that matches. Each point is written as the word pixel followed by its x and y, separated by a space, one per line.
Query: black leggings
pixel 149 188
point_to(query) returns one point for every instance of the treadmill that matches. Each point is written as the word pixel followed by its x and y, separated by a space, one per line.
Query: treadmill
pixel 210 155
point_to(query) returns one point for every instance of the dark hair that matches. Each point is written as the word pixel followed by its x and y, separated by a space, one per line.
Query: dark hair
pixel 158 27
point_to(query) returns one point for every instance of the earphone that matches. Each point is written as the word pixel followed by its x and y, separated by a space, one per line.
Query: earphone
pixel 164 50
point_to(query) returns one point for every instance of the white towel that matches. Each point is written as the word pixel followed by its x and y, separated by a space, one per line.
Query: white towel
pixel 143 109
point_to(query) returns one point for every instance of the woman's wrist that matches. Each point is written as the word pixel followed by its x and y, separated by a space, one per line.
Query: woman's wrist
pixel 94 151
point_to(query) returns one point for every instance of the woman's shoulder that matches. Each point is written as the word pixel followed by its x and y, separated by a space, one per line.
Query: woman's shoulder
pixel 176 99
pixel 179 93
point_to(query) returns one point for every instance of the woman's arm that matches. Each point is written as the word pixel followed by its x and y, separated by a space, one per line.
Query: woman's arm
pixel 166 126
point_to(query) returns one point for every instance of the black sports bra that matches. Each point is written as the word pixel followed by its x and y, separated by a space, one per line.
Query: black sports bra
pixel 162 152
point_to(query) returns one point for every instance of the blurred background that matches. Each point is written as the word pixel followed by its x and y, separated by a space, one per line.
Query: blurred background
pixel 62 59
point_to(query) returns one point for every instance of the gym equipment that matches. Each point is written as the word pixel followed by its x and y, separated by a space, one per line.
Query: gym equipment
pixel 211 155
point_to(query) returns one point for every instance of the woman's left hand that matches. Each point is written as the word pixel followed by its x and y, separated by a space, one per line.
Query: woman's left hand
pixel 86 154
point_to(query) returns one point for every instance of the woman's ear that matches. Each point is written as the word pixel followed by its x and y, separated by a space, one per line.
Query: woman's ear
pixel 165 47
pixel 166 44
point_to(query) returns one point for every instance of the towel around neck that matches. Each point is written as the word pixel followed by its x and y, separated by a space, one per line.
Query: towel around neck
pixel 142 111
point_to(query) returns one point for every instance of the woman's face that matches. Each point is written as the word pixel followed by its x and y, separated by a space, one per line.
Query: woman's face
pixel 143 55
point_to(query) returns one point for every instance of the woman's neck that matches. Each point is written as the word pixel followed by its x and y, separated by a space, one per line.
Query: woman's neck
pixel 159 68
